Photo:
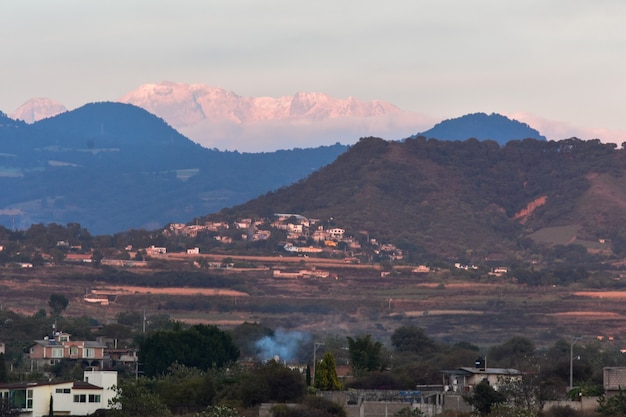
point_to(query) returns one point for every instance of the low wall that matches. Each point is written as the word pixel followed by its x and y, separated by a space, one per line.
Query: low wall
pixel 585 404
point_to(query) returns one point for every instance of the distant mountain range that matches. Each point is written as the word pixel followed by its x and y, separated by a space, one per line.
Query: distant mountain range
pixel 221 119
pixel 113 167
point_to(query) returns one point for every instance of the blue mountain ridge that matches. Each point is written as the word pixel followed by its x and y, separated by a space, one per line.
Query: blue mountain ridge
pixel 482 126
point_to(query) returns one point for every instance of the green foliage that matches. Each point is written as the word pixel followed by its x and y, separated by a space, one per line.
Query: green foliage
pixel 135 399
pixel 218 411
pixel 365 354
pixel 326 374
pixel 247 334
pixel 409 412
pixel 58 303
pixel 484 397
pixel 200 346
pixel 412 339
pixel 328 407
pixel 614 406
pixel 185 389
pixel 507 410
pixel 271 382
pixel 514 353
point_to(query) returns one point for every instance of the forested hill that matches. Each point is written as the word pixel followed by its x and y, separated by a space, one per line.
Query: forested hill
pixel 482 126
pixel 452 199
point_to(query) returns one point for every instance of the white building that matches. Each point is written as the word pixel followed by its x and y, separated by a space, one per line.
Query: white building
pixel 78 398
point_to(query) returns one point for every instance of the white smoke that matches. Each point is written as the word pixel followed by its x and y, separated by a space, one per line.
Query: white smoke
pixel 285 344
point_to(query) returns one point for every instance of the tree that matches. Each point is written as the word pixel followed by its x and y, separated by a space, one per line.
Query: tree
pixel 184 390
pixel 326 374
pixel 365 354
pixel 614 406
pixel 134 399
pixel 514 353
pixel 201 346
pixel 485 397
pixel 3 369
pixel 58 303
pixel 271 382
pixel 412 339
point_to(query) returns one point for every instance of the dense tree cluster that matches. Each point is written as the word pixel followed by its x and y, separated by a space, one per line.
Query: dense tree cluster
pixel 201 346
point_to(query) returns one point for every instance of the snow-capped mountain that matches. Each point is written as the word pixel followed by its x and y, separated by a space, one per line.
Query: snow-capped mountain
pixel 37 109
pixel 186 104
pixel 218 118
pixel 221 119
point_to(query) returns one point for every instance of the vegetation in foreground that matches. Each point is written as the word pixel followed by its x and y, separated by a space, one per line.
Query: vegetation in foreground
pixel 200 380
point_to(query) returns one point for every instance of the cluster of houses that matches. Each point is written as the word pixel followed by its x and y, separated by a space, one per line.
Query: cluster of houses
pixel 66 397
pixel 304 235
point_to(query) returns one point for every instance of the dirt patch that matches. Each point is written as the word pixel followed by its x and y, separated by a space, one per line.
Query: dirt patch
pixel 440 313
pixel 125 290
pixel 616 295
pixel 588 314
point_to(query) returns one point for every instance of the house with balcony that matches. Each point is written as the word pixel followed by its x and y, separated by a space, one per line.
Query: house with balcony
pixel 77 398
pixel 464 379
pixel 51 350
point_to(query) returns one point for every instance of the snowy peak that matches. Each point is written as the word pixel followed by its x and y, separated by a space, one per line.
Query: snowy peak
pixel 37 109
pixel 188 104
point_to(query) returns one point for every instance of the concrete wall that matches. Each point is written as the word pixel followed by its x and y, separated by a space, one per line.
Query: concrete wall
pixel 585 404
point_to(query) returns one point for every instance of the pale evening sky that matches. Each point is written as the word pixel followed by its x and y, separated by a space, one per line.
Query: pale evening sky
pixel 559 65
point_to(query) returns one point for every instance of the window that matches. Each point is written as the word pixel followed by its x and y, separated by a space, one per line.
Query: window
pixel 57 352
pixel 73 350
pixel 20 398
pixel 89 352
pixel 94 398
pixel 63 391
pixel 80 398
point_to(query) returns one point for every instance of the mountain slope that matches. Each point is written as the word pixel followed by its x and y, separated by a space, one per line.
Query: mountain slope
pixel 482 126
pixel 113 167
pixel 37 109
pixel 451 199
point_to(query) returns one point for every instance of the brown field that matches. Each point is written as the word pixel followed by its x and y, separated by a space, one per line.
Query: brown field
pixel 127 289
pixel 358 302
pixel 619 295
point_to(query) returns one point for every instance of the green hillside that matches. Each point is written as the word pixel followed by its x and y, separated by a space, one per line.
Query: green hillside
pixel 451 199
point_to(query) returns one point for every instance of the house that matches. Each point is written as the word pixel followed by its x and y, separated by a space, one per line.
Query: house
pixel 464 379
pixel 614 379
pixel 50 351
pixel 155 250
pixel 78 398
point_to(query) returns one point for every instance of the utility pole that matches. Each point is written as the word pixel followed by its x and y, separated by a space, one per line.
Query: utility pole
pixel 315 346
pixel 571 361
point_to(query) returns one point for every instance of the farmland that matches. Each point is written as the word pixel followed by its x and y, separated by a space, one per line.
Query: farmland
pixel 355 299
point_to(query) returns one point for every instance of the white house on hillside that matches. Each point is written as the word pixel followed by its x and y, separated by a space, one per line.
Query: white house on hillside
pixel 78 398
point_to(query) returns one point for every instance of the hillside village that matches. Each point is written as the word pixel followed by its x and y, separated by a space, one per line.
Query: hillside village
pixel 303 236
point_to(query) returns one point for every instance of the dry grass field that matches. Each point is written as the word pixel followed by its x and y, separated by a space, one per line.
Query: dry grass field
pixel 359 301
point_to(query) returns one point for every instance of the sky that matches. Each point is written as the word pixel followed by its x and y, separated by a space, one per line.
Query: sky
pixel 558 65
